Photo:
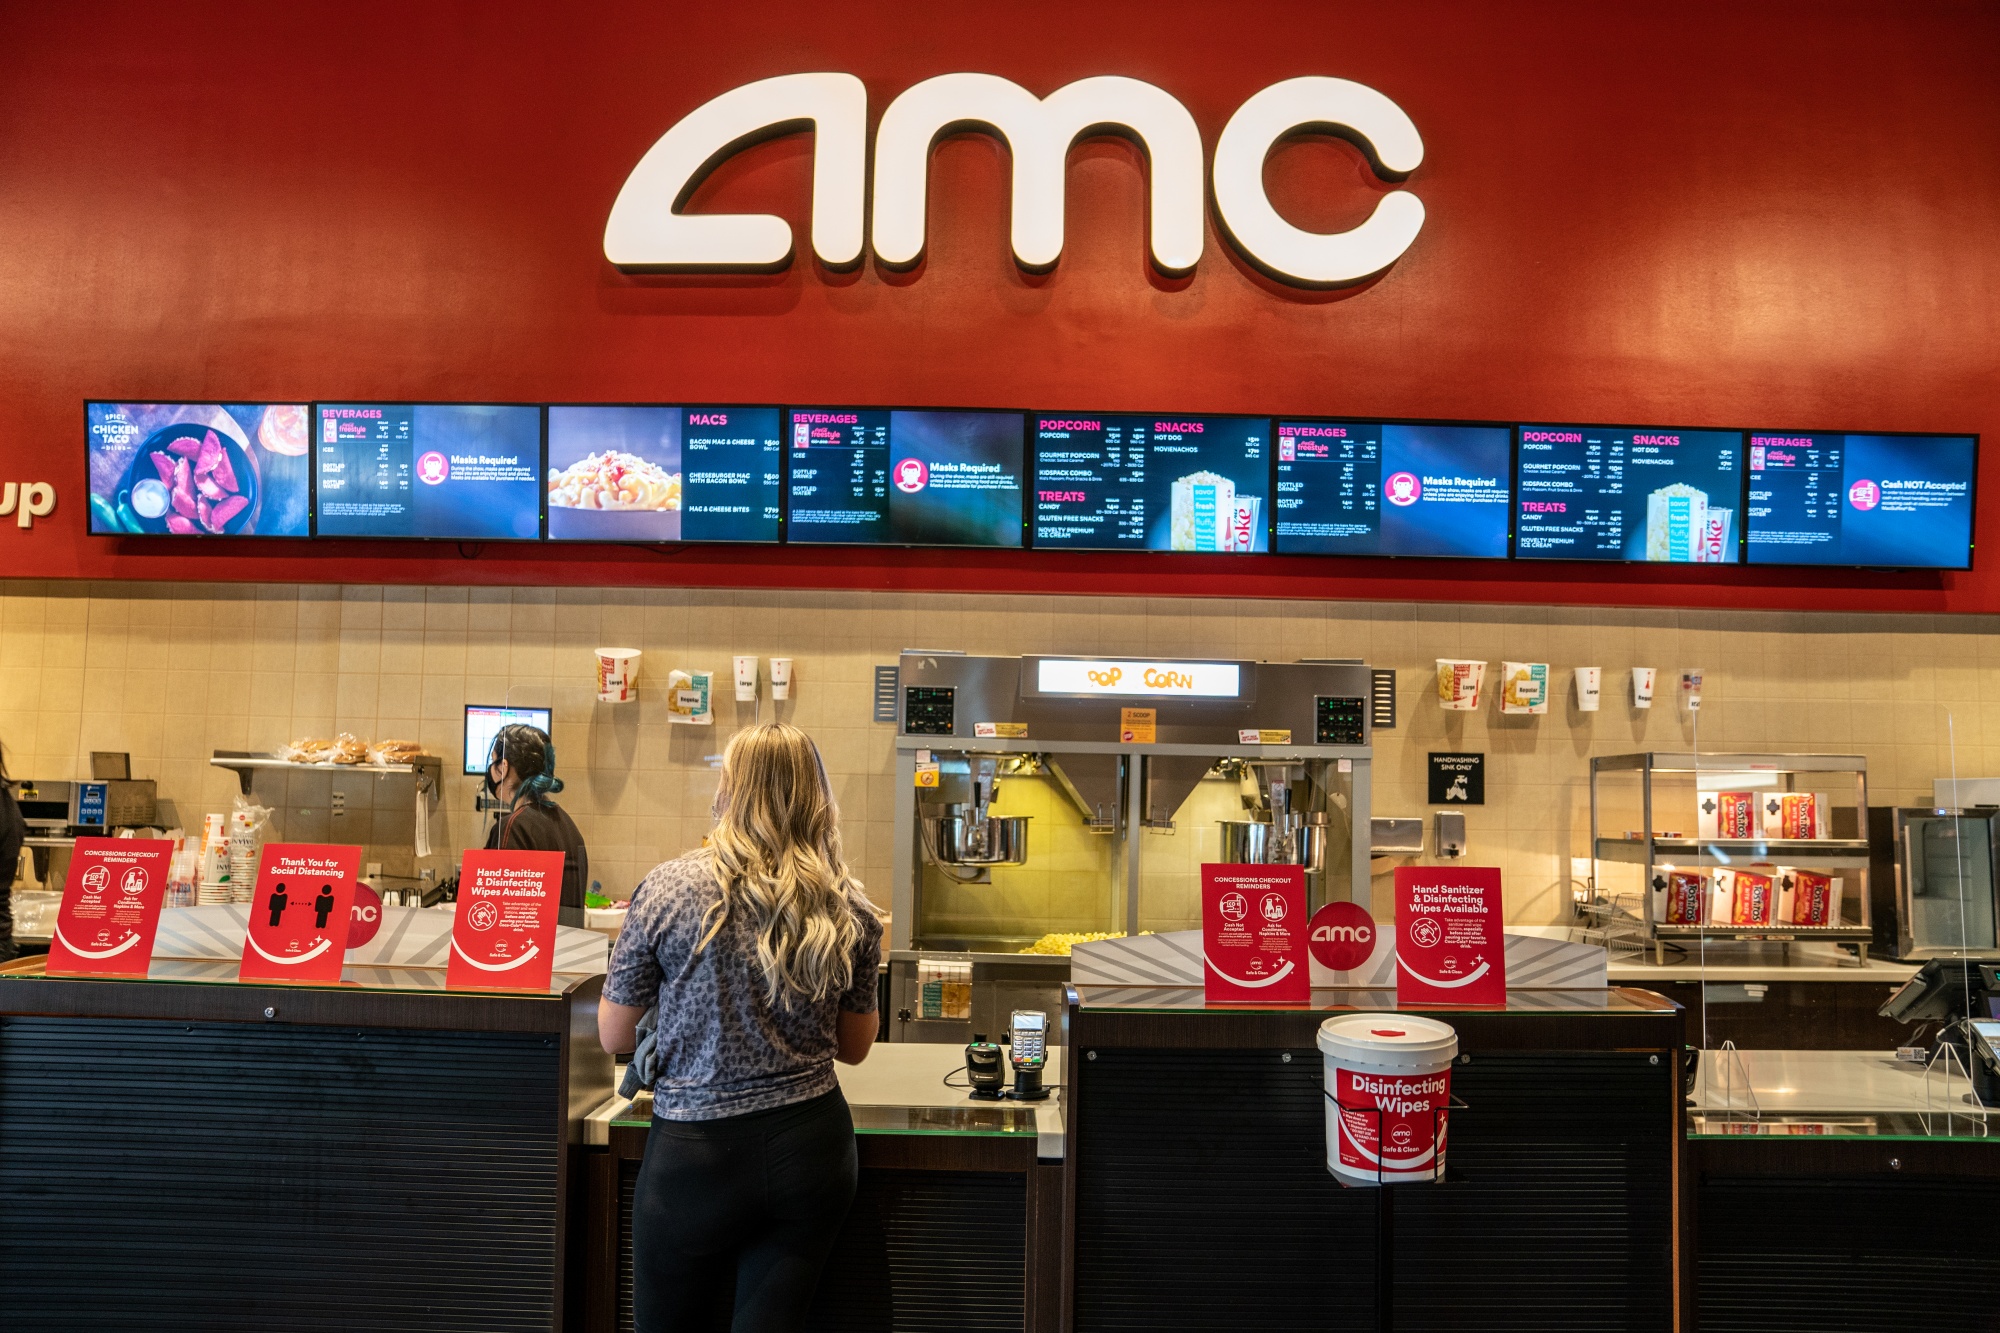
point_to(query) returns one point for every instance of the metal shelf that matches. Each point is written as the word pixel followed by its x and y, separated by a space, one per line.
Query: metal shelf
pixel 1763 932
pixel 429 769
pixel 1810 853
pixel 1665 762
pixel 1650 849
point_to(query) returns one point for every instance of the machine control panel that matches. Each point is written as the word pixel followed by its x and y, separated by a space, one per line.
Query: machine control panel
pixel 1338 720
pixel 928 710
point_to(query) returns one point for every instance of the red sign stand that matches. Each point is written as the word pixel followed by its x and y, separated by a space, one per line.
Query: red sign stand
pixel 301 913
pixel 1450 947
pixel 504 936
pixel 110 908
pixel 1253 935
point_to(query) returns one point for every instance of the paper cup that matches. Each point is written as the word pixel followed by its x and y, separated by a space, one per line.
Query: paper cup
pixel 617 675
pixel 1642 687
pixel 781 678
pixel 1459 684
pixel 1589 688
pixel 746 680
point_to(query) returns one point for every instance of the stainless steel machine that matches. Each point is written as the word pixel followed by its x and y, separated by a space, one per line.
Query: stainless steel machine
pixel 1937 893
pixel 1046 799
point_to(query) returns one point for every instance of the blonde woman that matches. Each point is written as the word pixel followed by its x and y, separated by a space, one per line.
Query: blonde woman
pixel 759 953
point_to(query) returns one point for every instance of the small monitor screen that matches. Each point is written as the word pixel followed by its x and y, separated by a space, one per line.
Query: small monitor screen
pixel 1883 500
pixel 664 474
pixel 198 469
pixel 455 471
pixel 913 478
pixel 1151 483
pixel 483 723
pixel 1628 493
pixel 1370 488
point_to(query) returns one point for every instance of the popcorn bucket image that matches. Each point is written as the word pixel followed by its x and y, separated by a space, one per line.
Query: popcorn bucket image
pixel 1203 512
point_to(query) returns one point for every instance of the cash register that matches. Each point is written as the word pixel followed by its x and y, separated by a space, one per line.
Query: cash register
pixel 1963 994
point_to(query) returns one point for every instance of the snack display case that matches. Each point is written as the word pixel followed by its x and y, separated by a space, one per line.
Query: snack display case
pixel 1729 846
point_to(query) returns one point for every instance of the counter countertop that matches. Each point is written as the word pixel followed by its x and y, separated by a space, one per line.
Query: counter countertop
pixel 1739 961
pixel 901 1074
pixel 1824 1083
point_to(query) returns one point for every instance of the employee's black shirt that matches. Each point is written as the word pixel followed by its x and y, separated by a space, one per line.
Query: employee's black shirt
pixel 13 831
pixel 547 827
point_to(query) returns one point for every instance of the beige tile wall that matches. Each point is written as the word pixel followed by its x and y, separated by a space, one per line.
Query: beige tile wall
pixel 173 672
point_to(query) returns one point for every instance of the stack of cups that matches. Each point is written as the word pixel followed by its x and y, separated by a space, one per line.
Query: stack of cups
pixel 245 841
pixel 212 864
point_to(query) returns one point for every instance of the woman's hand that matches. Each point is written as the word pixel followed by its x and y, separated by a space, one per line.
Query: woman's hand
pixel 618 1026
pixel 852 1039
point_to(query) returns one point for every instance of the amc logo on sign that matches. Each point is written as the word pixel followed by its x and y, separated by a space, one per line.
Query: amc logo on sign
pixel 647 232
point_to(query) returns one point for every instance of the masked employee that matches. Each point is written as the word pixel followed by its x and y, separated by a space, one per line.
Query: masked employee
pixel 521 775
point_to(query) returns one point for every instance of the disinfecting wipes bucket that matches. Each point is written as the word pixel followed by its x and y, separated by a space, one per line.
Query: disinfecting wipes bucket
pixel 1388 1082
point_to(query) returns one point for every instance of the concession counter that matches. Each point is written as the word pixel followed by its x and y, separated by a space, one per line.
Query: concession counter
pixel 193 1152
pixel 1178 1180
pixel 1200 1196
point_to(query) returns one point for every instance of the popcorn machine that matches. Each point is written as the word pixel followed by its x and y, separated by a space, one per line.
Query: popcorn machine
pixel 1047 800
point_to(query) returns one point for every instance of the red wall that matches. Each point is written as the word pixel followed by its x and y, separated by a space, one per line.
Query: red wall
pixel 1779 215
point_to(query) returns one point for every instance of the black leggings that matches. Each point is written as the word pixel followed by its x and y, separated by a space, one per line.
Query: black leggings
pixel 745 1207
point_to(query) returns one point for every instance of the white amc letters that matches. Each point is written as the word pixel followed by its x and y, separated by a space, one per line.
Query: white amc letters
pixel 647 232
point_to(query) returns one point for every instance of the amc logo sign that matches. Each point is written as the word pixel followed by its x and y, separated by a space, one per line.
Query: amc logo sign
pixel 647 232
pixel 366 918
pixel 1342 936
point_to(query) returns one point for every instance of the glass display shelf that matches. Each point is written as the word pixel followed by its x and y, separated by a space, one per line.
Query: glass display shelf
pixel 218 972
pixel 999 1121
pixel 1966 1125
pixel 1648 811
pixel 1340 999
pixel 1833 1094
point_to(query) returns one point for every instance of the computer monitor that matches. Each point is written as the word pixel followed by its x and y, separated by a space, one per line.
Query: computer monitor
pixel 483 723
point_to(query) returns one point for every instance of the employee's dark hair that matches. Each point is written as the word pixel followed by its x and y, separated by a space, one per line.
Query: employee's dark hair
pixel 531 756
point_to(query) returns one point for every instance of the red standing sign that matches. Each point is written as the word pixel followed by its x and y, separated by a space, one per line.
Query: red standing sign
pixel 110 907
pixel 1253 935
pixel 1450 948
pixel 504 937
pixel 301 913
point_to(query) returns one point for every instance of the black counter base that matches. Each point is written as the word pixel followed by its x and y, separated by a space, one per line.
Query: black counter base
pixel 227 1176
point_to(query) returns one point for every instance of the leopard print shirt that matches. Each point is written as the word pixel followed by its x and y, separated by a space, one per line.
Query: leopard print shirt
pixel 724 1049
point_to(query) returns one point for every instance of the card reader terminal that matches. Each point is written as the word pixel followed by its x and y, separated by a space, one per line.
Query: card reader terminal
pixel 1027 1032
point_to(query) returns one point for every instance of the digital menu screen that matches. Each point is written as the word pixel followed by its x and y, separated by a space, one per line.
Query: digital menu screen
pixel 1372 488
pixel 1628 493
pixel 198 469
pixel 1151 483
pixel 452 471
pixel 664 474
pixel 915 478
pixel 1884 500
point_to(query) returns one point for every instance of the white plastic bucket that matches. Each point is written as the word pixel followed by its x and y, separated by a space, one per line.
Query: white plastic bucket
pixel 617 675
pixel 1388 1082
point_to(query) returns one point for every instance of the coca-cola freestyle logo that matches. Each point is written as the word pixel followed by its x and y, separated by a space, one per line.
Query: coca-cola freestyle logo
pixel 647 232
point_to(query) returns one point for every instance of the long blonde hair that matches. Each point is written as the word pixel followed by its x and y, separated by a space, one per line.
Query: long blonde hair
pixel 775 849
